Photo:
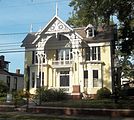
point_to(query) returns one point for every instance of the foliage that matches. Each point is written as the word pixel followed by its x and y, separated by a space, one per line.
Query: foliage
pixel 18 97
pixel 97 12
pixel 103 93
pixel 100 11
pixel 127 67
pixel 3 89
pixel 92 11
pixel 126 37
pixel 46 94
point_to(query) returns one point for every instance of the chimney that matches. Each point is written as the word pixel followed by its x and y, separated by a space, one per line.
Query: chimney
pixel 2 61
pixel 2 57
pixel 17 71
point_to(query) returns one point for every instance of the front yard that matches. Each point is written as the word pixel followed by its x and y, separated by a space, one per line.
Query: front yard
pixel 105 103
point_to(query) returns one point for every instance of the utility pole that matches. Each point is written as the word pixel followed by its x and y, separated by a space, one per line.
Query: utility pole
pixel 116 69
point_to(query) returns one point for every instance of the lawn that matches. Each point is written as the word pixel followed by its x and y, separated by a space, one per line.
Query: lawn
pixel 105 103
pixel 33 117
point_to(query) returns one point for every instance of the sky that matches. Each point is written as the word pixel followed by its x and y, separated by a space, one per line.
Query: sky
pixel 16 18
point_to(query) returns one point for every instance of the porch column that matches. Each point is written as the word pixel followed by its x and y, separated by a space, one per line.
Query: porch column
pixel 76 85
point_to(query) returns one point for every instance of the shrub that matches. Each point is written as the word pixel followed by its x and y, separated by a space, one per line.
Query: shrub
pixel 18 97
pixel 49 95
pixel 103 93
pixel 3 89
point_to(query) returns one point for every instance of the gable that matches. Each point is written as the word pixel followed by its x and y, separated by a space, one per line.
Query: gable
pixel 58 25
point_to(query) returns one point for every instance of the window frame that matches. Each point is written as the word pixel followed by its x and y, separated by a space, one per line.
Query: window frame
pixel 33 79
pixel 95 77
pixel 63 74
pixel 93 53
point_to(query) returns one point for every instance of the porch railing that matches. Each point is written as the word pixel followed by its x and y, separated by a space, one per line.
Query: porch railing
pixel 62 62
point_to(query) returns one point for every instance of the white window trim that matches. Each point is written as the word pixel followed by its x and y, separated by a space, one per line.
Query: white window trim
pixel 99 78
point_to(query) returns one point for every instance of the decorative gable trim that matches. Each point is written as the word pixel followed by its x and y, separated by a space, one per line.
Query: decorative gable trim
pixel 38 34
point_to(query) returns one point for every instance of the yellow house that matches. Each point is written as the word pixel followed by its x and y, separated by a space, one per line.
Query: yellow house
pixel 73 59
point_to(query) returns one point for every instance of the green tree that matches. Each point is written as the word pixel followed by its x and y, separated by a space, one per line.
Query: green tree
pixel 97 12
pixel 127 66
pixel 91 11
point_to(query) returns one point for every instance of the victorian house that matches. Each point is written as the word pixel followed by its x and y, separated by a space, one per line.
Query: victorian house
pixel 73 59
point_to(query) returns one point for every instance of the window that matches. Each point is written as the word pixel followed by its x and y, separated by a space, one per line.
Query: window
pixel 33 79
pixel 99 57
pixel 86 78
pixel 38 82
pixel 87 55
pixel 8 81
pixel 15 83
pixel 95 78
pixel 92 53
pixel 34 57
pixel 94 57
pixel 64 78
pixel 63 54
pixel 42 78
pixel 90 32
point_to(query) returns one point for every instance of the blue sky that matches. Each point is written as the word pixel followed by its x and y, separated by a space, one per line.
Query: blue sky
pixel 16 16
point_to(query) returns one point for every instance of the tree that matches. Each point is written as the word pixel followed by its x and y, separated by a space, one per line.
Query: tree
pixel 91 11
pixel 127 66
pixel 97 12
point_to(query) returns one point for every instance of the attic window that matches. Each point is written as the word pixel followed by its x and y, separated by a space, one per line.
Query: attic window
pixel 90 31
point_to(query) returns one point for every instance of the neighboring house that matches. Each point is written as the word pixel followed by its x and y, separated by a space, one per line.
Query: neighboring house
pixel 73 59
pixel 15 81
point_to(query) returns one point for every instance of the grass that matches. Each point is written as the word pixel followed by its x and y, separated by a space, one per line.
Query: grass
pixel 106 103
pixel 31 117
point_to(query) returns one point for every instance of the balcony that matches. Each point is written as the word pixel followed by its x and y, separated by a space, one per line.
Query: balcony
pixel 62 63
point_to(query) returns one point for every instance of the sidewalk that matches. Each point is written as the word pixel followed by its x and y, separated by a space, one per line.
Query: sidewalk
pixel 66 112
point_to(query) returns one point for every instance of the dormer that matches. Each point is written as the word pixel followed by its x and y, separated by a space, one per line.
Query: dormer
pixel 90 31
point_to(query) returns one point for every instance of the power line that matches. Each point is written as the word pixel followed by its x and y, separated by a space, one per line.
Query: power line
pixel 9 43
pixel 37 3
pixel 15 50
pixel 19 33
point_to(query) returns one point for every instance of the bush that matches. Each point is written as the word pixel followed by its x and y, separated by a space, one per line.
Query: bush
pixel 103 93
pixel 49 95
pixel 18 97
pixel 3 89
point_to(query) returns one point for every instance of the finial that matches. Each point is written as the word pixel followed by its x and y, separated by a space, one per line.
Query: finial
pixel 56 9
pixel 31 28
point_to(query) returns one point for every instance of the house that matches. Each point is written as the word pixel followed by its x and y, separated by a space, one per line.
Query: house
pixel 14 81
pixel 72 59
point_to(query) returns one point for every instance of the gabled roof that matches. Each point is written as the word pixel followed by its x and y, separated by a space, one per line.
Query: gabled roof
pixel 101 36
pixel 56 25
pixel 28 40
pixel 4 72
pixel 50 24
